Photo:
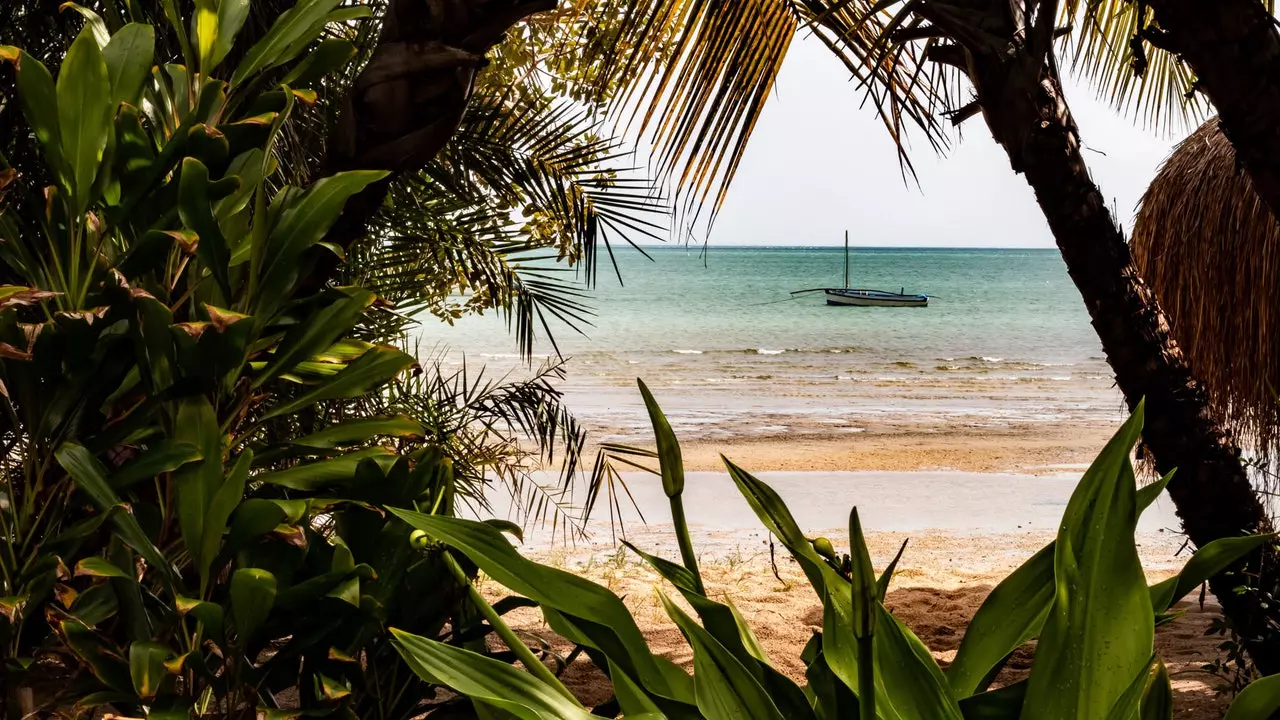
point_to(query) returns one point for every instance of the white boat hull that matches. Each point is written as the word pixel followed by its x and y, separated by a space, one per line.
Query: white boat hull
pixel 874 298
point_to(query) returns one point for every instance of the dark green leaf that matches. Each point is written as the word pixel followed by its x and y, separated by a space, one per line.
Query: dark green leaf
pixel 90 478
pixel 195 208
pixel 197 425
pixel 297 27
pixel 146 667
pixel 332 471
pixel 725 689
pixel 317 332
pixel 129 56
pixel 224 502
pixel 99 568
pixel 253 594
pixel 1208 561
pixel 164 456
pixel 490 681
pixel 329 56
pixel 39 99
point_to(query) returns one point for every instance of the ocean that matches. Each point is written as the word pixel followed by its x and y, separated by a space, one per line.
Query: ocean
pixel 1005 341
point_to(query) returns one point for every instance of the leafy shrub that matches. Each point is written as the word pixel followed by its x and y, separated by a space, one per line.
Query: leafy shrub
pixel 1084 597
pixel 186 525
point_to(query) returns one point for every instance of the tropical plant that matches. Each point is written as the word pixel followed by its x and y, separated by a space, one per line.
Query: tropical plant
pixel 1084 598
pixel 185 466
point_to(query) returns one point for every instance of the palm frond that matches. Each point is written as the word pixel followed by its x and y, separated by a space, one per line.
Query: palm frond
pixel 511 216
pixel 1108 46
pixel 500 431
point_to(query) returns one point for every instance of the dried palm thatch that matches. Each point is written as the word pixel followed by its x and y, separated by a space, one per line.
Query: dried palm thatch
pixel 1211 249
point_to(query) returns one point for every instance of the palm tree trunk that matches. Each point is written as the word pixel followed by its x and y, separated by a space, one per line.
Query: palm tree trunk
pixel 1022 101
pixel 1234 48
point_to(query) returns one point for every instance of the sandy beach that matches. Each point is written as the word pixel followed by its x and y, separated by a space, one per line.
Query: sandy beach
pixel 972 504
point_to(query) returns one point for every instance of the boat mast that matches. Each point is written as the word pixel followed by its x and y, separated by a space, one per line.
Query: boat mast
pixel 846 259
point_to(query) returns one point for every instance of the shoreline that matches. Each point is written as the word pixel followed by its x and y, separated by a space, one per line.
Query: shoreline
pixel 1025 448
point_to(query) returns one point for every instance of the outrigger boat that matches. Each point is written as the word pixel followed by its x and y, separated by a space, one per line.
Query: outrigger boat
pixel 864 297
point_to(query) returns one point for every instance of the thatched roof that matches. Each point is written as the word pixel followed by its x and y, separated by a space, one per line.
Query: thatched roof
pixel 1211 249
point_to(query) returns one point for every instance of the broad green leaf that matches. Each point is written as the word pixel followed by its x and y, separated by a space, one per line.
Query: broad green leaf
pixel 90 478
pixel 306 220
pixel 298 25
pixel 129 57
pixel 1260 700
pixel 332 471
pixel 597 616
pixel 103 661
pixel 1208 561
pixel 911 678
pixel 196 210
pixel 1001 704
pixel 253 594
pixel 38 97
pixel 669 456
pixel 1011 615
pixel 146 668
pixel 768 506
pixel 723 622
pixel 491 681
pixel 329 56
pixel 164 456
pixel 1086 657
pixel 224 502
pixel 725 689
pixel 99 568
pixel 197 425
pixel 1015 611
pixel 317 332
pixel 1130 701
pixel 365 373
pixel 85 114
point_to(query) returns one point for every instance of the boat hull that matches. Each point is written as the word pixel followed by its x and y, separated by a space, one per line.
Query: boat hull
pixel 874 298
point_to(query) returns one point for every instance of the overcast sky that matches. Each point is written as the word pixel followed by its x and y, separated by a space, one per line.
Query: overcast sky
pixel 818 164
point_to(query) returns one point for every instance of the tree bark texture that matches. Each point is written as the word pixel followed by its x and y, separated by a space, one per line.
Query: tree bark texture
pixel 1022 102
pixel 410 98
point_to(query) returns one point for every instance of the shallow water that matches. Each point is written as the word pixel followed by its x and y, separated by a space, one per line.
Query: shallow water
pixel 1006 340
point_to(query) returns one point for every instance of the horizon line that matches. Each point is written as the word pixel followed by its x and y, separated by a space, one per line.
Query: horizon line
pixel 701 246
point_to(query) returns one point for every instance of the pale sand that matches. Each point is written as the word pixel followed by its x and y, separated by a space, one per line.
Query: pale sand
pixel 941 581
pixel 1023 448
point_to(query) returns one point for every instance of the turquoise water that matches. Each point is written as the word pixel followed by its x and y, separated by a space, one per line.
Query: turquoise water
pixel 1005 339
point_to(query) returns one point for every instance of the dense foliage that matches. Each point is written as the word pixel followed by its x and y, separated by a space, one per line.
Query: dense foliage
pixel 198 442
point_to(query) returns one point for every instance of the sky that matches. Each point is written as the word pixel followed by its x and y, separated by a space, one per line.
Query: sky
pixel 819 164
